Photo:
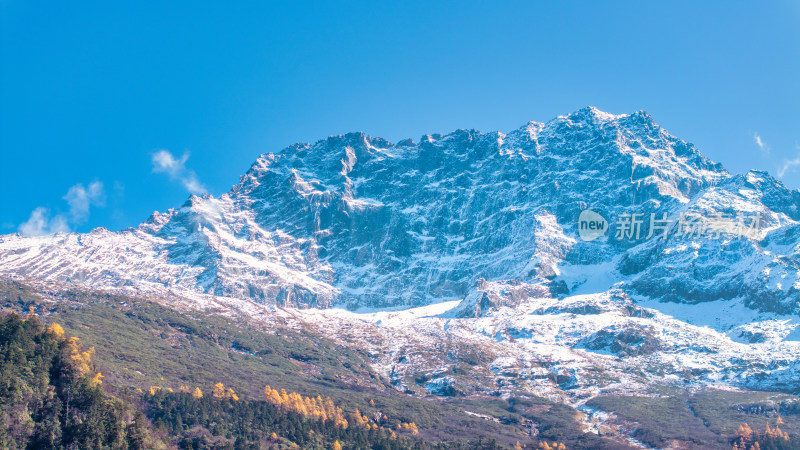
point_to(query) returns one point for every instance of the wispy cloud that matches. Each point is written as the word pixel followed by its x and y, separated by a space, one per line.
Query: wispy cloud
pixel 761 144
pixel 165 162
pixel 80 200
pixel 789 165
pixel 40 223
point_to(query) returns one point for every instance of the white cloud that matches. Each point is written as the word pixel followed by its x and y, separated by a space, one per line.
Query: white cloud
pixel 761 144
pixel 165 162
pixel 40 223
pixel 79 198
pixel 788 166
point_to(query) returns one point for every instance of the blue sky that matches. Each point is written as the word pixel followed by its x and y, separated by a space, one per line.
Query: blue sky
pixel 111 110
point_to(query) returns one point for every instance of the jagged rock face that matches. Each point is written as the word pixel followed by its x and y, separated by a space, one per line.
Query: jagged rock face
pixel 358 221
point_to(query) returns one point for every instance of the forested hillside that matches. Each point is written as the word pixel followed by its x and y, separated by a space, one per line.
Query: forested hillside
pixel 50 396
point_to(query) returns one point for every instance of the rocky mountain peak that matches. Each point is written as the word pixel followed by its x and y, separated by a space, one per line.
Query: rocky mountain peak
pixel 359 221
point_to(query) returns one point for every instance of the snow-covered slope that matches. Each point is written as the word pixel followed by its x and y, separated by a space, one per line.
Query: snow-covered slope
pixel 573 348
pixel 465 249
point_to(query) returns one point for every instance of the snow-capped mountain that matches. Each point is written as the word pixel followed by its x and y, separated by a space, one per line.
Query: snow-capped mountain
pixel 361 222
pixel 467 251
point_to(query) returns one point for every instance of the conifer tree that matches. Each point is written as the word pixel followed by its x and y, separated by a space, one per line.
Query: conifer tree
pixel 197 393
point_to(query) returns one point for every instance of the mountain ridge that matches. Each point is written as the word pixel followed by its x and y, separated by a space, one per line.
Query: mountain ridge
pixel 457 263
pixel 355 220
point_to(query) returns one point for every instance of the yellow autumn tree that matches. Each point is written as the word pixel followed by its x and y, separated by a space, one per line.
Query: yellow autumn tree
pixel 411 427
pixel 98 379
pixel 745 434
pixel 197 393
pixel 272 396
pixel 776 433
pixel 284 398
pixel 81 359
pixel 296 403
pixel 184 389
pixel 334 413
pixel 56 330
pixel 359 419
pixel 336 445
pixel 314 407
pixel 218 391
pixel 553 446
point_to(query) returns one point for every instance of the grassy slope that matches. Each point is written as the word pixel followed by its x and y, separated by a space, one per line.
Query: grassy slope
pixel 705 419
